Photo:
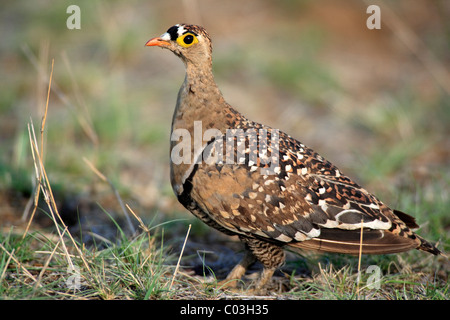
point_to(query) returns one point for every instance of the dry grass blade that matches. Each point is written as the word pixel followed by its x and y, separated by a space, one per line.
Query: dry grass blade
pixel 43 183
pixel 11 257
pixel 6 265
pixel 38 178
pixel 45 187
pixel 151 240
pixel 359 258
pixel 141 223
pixel 43 121
pixel 47 262
pixel 179 258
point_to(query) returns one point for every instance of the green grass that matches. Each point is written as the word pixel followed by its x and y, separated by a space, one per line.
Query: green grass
pixel 35 267
pixel 382 277
pixel 141 267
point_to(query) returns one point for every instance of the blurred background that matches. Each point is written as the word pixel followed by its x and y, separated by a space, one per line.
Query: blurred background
pixel 374 102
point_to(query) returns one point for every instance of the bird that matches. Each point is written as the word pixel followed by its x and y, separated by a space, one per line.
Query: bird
pixel 257 182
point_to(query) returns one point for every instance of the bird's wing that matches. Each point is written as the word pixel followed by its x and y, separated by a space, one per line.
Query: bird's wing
pixel 299 199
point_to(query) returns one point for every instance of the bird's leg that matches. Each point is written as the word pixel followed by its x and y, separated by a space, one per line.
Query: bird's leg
pixel 266 275
pixel 270 255
pixel 239 270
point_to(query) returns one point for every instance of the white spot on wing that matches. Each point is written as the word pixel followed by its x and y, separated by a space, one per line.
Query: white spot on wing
pixel 374 224
pixel 373 206
pixel 299 236
pixel 329 224
pixel 314 233
pixel 283 238
pixel 378 224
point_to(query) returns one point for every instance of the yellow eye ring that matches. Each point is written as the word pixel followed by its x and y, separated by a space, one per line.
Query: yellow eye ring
pixel 186 40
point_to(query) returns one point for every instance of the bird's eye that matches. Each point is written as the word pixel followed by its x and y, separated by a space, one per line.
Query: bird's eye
pixel 187 40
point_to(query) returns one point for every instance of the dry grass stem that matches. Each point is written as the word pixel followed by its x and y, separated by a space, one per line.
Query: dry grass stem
pixel 11 257
pixel 44 268
pixel 48 196
pixel 151 240
pixel 43 183
pixel 179 258
pixel 359 257
pixel 43 121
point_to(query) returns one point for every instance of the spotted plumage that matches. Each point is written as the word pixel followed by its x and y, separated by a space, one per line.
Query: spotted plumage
pixel 247 179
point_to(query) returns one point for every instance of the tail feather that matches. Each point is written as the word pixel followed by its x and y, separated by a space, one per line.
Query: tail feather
pixel 374 242
pixel 409 221
pixel 428 247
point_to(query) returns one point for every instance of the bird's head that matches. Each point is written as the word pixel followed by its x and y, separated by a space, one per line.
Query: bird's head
pixel 190 42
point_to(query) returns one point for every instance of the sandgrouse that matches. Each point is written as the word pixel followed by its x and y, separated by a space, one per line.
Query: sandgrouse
pixel 247 179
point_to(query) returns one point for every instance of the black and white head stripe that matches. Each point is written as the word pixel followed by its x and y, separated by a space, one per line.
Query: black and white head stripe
pixel 176 31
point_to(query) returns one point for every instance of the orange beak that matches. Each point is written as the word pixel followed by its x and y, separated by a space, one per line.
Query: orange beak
pixel 157 42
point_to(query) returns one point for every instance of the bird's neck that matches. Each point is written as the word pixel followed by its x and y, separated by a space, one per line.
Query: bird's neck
pixel 200 115
pixel 200 80
pixel 199 100
pixel 199 103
